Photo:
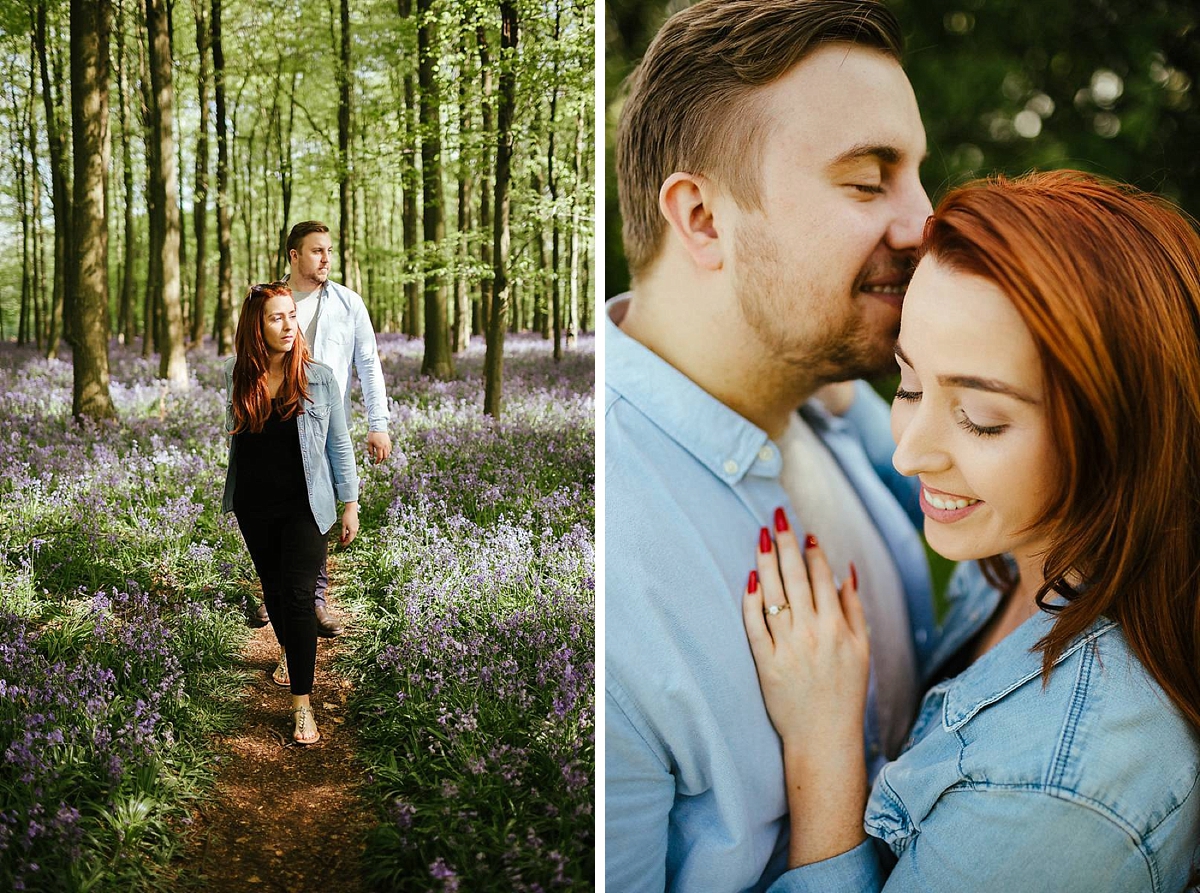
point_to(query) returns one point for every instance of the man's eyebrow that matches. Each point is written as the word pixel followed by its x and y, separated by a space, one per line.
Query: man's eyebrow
pixel 974 382
pixel 880 151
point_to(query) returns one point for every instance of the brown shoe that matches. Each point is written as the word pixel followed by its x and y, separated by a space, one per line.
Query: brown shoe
pixel 327 627
pixel 258 617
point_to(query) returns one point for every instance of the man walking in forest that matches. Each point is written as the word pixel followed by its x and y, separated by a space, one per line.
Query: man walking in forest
pixel 339 334
pixel 767 160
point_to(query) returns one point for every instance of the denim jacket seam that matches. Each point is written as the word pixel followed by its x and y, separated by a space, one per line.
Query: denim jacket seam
pixel 1082 687
pixel 1174 809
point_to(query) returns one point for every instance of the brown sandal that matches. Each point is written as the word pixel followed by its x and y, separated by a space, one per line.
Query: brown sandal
pixel 305 723
pixel 280 677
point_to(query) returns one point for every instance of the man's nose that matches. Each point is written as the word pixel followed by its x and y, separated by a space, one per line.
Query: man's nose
pixel 912 210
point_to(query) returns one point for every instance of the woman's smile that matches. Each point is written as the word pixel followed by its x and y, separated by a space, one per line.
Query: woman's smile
pixel 946 507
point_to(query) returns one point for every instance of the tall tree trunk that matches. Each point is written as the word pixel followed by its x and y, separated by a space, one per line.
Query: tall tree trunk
pixel 461 331
pixel 173 363
pixel 552 177
pixel 39 286
pixel 91 22
pixel 438 360
pixel 487 139
pixel 414 267
pixel 541 318
pixel 200 197
pixel 243 192
pixel 125 321
pixel 493 363
pixel 573 301
pixel 155 221
pixel 223 323
pixel 36 204
pixel 345 181
pixel 411 185
pixel 60 194
pixel 17 132
pixel 285 179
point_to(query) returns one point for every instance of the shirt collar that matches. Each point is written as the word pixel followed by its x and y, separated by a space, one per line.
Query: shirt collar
pixel 726 443
pixel 1011 663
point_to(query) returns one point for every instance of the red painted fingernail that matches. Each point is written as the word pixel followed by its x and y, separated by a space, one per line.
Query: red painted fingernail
pixel 764 540
pixel 853 577
pixel 752 585
pixel 810 542
pixel 781 523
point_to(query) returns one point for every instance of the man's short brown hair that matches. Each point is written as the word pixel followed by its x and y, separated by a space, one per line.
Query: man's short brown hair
pixel 300 230
pixel 689 105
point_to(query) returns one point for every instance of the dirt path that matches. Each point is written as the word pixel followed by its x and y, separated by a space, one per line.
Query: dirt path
pixel 283 818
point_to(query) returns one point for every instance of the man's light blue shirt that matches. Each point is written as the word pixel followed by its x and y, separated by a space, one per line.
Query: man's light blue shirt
pixel 694 787
pixel 345 342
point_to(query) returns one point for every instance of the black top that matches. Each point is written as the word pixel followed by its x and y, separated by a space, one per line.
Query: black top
pixel 270 471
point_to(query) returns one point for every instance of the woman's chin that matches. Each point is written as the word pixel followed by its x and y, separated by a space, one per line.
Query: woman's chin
pixel 954 548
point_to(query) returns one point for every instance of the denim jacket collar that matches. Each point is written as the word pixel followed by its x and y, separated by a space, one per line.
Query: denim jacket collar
pixel 1011 663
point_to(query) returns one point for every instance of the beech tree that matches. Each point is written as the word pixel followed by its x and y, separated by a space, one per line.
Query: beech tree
pixel 90 25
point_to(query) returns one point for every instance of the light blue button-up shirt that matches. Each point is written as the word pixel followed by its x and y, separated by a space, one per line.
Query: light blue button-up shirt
pixel 1089 784
pixel 694 787
pixel 345 342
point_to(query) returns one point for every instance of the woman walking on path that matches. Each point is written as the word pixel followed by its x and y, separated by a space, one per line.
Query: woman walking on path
pixel 289 452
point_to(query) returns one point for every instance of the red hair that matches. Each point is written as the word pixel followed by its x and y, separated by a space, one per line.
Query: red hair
pixel 1107 279
pixel 251 399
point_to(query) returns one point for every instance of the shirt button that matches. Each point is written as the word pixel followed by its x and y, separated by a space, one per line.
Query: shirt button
pixel 766 454
pixel 731 467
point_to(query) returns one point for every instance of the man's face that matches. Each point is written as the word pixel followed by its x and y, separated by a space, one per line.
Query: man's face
pixel 820 270
pixel 310 262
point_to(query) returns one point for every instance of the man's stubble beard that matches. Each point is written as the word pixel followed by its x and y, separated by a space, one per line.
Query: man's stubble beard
pixel 826 348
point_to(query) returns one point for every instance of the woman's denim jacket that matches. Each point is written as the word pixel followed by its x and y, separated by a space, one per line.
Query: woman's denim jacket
pixel 325 446
pixel 1089 783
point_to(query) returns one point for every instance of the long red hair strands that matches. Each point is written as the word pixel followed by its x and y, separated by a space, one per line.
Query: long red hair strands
pixel 251 399
pixel 1107 278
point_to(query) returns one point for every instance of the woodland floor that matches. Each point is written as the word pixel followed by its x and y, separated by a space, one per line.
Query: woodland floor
pixel 282 817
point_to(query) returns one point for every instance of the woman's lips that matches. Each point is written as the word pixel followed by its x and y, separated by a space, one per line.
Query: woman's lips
pixel 946 507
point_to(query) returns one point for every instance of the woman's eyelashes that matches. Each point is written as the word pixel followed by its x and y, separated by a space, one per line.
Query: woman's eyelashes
pixel 979 430
pixel 964 420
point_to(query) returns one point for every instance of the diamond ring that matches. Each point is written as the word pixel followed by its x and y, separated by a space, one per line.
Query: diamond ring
pixel 772 610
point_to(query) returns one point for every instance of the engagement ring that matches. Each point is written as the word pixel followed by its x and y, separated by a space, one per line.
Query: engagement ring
pixel 775 609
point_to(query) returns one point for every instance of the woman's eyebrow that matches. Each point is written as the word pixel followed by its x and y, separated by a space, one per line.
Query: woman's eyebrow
pixel 974 382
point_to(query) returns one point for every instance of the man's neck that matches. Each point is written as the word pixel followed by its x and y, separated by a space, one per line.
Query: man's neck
pixel 706 338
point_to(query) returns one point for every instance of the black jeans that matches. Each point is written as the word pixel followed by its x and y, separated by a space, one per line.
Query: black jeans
pixel 288 551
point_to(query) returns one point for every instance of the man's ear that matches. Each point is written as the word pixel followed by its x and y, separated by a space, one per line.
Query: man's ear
pixel 686 201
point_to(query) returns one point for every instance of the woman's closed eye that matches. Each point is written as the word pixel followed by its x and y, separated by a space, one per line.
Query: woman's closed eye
pixel 979 430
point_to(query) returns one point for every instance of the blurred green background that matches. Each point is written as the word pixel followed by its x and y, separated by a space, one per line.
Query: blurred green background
pixel 1009 85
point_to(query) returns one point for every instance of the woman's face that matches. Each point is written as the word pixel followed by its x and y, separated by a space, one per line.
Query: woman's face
pixel 970 418
pixel 279 323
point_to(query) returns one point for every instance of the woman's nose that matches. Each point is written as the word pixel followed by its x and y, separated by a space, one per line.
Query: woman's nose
pixel 920 449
